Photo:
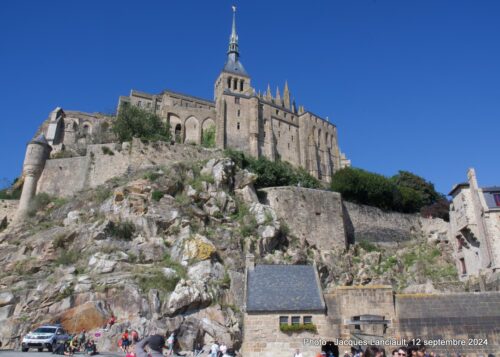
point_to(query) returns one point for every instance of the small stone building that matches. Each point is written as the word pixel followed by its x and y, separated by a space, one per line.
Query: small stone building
pixel 475 227
pixel 281 298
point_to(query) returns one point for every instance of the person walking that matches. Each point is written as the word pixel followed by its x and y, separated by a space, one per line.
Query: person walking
pixel 155 344
pixel 170 344
pixel 214 350
pixel 297 353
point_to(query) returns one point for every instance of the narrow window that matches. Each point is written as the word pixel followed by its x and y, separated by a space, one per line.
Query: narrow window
pixel 308 320
pixel 283 320
pixel 295 320
pixel 238 126
pixel 292 137
pixel 139 103
pixel 238 112
pixel 264 134
pixel 148 105
pixel 277 111
pixel 285 115
pixel 289 145
pixel 229 82
pixel 241 86
pixel 462 265
pixel 279 134
pixel 237 100
pixel 235 84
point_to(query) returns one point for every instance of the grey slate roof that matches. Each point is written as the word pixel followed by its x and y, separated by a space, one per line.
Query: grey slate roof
pixel 233 65
pixel 273 288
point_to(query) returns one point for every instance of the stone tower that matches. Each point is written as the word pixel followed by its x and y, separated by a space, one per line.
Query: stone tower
pixel 37 153
pixel 233 80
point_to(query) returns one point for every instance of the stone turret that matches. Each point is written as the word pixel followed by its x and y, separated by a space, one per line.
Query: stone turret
pixel 37 153
pixel 286 96
pixel 277 99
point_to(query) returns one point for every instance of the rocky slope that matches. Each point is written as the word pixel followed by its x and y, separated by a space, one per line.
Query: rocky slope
pixel 164 250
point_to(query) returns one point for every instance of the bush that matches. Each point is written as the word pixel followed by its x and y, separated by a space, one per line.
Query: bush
pixel 273 173
pixel 107 151
pixel 156 280
pixel 208 137
pixel 157 195
pixel 67 257
pixel 439 209
pixel 121 230
pixel 133 122
pixel 39 202
pixel 404 192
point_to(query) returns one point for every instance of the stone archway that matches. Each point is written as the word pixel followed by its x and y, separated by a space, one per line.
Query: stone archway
pixel 175 125
pixel 208 133
pixel 191 131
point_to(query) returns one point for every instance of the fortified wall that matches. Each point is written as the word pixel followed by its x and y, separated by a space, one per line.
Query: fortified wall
pixel 325 220
pixel 375 312
pixel 64 177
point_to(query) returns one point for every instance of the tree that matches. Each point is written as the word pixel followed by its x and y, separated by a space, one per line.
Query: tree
pixel 132 122
pixel 424 188
pixel 208 137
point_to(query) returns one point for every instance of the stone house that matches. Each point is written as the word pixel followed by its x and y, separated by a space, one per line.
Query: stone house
pixel 475 227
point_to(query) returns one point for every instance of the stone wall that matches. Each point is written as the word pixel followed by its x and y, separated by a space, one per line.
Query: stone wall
pixel 262 336
pixel 312 215
pixel 64 177
pixel 7 210
pixel 468 317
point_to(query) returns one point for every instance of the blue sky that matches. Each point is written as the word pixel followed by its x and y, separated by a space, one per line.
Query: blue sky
pixel 412 85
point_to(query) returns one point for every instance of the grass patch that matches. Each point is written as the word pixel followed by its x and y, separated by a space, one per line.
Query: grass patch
pixel 151 176
pixel 368 246
pixel 156 280
pixel 298 328
pixel 67 257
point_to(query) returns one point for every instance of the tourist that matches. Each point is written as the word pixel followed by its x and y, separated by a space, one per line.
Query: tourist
pixel 135 336
pixel 73 345
pixel 110 323
pixel 420 350
pixel 170 344
pixel 297 353
pixel 395 353
pixel 81 339
pixel 125 341
pixel 155 344
pixel 91 348
pixel 223 348
pixel 402 352
pixel 373 351
pixel 131 351
pixel 214 350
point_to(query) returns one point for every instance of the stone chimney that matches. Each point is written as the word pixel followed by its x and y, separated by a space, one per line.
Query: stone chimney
pixel 250 262
pixel 471 175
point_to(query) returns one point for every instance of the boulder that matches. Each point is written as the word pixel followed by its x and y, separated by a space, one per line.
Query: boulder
pixel 211 207
pixel 102 263
pixel 247 194
pixel 263 214
pixel 244 178
pixel 6 312
pixel 6 298
pixel 188 295
pixel 89 316
pixel 222 172
pixel 205 271
pixel 73 217
pixel 169 273
pixel 198 247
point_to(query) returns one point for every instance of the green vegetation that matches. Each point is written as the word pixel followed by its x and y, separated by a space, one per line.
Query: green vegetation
pixel 196 183
pixel 155 279
pixel 157 195
pixel 151 176
pixel 368 246
pixel 107 151
pixel 170 263
pixel 13 192
pixel 404 192
pixel 67 257
pixel 63 154
pixel 298 328
pixel 271 174
pixel 100 194
pixel 208 137
pixel 133 122
pixel 42 200
pixel 121 230
pixel 67 292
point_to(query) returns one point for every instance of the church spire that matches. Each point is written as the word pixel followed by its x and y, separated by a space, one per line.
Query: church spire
pixel 233 39
pixel 286 96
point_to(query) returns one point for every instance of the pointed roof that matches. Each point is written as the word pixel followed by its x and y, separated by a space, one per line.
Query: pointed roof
pixel 233 64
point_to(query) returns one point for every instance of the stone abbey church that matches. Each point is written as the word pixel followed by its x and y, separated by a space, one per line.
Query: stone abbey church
pixel 258 124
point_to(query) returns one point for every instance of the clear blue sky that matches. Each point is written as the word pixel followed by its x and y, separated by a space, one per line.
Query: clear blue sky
pixel 412 85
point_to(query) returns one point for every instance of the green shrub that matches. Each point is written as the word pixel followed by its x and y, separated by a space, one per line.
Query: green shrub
pixel 368 246
pixel 121 230
pixel 151 176
pixel 107 151
pixel 156 280
pixel 67 257
pixel 298 328
pixel 133 122
pixel 208 137
pixel 170 263
pixel 63 154
pixel 157 195
pixel 100 194
pixel 273 173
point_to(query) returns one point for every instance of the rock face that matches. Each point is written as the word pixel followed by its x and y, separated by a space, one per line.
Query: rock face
pixel 163 249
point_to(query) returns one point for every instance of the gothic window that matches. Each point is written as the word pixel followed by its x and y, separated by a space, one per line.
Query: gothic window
pixel 237 100
pixel 238 126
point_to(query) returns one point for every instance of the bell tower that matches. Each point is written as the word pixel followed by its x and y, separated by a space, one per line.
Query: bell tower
pixel 233 77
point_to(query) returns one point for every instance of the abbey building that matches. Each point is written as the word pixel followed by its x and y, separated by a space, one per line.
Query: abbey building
pixel 258 124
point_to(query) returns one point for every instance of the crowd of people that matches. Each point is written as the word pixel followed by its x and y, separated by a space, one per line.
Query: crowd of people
pixel 377 351
pixel 76 343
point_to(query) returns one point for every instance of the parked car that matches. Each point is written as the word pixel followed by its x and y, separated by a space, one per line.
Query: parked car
pixel 44 337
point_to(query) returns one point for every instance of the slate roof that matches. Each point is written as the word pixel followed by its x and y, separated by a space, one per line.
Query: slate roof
pixel 233 65
pixel 273 288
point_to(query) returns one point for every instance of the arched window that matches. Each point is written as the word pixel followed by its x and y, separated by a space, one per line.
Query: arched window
pixel 241 85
